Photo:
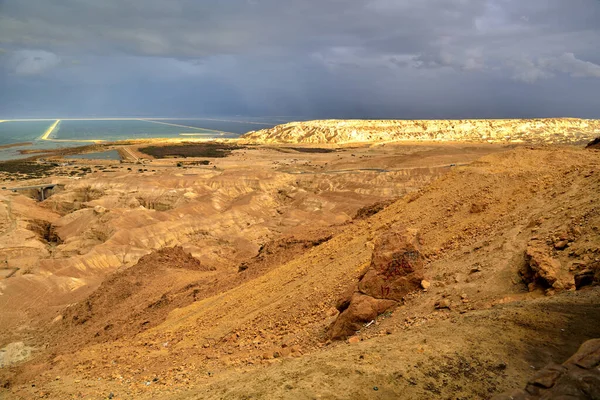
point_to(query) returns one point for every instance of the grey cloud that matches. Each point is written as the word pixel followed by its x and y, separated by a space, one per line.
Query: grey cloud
pixel 33 62
pixel 187 28
pixel 569 64
pixel 528 70
pixel 320 57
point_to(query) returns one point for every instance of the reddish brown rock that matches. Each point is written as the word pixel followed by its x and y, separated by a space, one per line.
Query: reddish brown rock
pixel 344 301
pixel 361 309
pixel 396 269
pixel 541 269
pixel 396 266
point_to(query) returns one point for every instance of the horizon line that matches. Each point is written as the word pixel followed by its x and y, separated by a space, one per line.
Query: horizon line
pixel 4 119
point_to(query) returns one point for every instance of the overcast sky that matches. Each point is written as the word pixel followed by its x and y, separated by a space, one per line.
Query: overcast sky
pixel 311 58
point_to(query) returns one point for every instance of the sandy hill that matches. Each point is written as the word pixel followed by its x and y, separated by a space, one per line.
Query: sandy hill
pixel 508 247
pixel 551 130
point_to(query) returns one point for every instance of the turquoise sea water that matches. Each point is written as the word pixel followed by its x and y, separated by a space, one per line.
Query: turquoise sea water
pixel 227 125
pixel 121 129
pixel 68 132
pixel 22 131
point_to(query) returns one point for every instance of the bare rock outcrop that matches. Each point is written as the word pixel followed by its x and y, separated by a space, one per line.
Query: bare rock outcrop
pixel 541 270
pixel 549 130
pixel 576 378
pixel 396 269
pixel 396 266
pixel 360 310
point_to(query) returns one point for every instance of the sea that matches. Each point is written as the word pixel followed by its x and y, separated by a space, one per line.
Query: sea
pixel 24 134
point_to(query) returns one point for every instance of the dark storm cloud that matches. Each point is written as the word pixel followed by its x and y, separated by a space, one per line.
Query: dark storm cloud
pixel 199 28
pixel 320 58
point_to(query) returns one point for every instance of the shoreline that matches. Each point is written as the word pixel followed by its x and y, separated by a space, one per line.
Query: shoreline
pixel 20 144
pixel 92 146
pixel 99 146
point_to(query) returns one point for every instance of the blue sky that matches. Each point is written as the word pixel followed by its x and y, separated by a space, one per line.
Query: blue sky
pixel 310 58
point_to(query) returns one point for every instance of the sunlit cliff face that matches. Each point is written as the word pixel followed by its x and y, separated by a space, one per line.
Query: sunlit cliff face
pixel 508 130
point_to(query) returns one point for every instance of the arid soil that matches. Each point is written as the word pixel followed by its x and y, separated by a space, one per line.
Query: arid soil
pixel 155 278
pixel 576 378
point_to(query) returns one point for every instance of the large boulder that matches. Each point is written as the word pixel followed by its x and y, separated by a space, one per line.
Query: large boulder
pixel 360 309
pixel 541 270
pixel 396 269
pixel 396 266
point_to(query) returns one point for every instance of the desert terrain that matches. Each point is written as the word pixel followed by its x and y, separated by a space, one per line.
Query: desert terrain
pixel 540 131
pixel 303 265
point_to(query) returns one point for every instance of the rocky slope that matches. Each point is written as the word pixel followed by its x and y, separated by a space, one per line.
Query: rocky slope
pixel 64 247
pixel 492 311
pixel 499 259
pixel 552 130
